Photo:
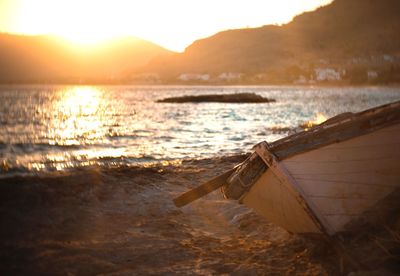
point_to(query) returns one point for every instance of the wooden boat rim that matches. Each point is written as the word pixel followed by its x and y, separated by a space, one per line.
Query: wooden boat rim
pixel 337 129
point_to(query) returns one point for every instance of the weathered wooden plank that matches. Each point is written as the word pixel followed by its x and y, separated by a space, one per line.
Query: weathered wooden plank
pixel 339 189
pixel 202 190
pixel 279 205
pixel 338 222
pixel 244 177
pixel 348 167
pixel 340 212
pixel 367 147
pixel 336 206
pixel 350 161
pixel 337 131
pixel 384 177
pixel 286 179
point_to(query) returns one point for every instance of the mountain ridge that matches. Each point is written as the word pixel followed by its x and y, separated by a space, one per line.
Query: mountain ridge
pixel 356 41
pixel 51 59
pixel 336 33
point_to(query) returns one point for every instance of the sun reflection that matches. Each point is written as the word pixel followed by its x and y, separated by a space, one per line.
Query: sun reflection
pixel 319 119
pixel 81 125
pixel 81 101
pixel 101 153
pixel 79 119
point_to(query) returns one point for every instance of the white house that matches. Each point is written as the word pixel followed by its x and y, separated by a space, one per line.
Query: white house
pixel 194 77
pixel 372 75
pixel 230 76
pixel 388 58
pixel 146 77
pixel 259 77
pixel 327 74
pixel 301 80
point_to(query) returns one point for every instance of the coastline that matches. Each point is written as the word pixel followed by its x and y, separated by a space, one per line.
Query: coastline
pixel 177 84
pixel 122 221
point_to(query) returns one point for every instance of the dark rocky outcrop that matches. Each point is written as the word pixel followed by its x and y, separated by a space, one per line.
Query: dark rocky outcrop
pixel 225 98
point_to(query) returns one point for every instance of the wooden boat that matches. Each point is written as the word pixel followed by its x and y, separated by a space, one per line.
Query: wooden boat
pixel 324 180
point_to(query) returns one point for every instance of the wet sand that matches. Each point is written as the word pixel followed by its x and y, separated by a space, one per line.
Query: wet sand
pixel 123 222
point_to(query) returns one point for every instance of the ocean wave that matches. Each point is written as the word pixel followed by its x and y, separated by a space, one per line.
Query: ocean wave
pixel 44 146
pixel 45 167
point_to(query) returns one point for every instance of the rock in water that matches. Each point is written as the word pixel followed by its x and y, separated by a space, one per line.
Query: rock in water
pixel 224 98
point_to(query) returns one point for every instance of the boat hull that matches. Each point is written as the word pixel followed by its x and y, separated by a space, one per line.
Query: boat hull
pixel 331 187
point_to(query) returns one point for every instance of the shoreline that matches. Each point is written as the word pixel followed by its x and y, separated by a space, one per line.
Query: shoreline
pixel 327 85
pixel 122 221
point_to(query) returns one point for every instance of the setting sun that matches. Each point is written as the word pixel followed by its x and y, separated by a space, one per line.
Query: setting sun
pixel 172 24
pixel 84 37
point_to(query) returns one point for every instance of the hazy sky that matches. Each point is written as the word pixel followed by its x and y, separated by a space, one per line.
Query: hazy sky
pixel 173 24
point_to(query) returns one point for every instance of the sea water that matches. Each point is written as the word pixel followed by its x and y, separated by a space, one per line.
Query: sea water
pixel 58 128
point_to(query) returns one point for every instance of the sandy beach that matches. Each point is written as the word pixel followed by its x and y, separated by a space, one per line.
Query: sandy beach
pixel 123 222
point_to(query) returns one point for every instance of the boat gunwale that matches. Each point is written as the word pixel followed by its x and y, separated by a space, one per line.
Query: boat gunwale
pixel 337 129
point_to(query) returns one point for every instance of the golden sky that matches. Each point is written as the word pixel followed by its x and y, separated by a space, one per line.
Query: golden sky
pixel 173 24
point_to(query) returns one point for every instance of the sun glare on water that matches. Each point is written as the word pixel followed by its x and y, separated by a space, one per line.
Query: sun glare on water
pixel 79 116
pixel 319 119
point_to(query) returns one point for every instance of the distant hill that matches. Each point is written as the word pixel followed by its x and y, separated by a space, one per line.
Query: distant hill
pixel 54 60
pixel 360 39
pixel 342 30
